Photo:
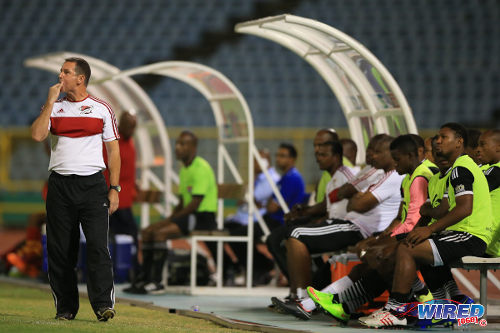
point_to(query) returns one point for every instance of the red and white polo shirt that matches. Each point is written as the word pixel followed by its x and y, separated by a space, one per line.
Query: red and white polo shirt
pixel 77 132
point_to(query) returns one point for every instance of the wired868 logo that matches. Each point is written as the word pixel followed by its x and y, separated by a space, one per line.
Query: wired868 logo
pixel 462 313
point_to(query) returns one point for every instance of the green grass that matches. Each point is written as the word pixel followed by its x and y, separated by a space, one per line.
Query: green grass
pixel 24 309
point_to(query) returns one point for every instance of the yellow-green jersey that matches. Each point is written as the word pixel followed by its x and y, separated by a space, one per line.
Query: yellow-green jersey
pixel 346 162
pixel 437 189
pixel 321 189
pixel 493 177
pixel 198 179
pixel 467 179
pixel 433 167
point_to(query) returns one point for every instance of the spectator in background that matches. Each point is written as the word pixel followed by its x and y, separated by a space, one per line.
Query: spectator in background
pixel 122 221
pixel 291 185
pixel 350 150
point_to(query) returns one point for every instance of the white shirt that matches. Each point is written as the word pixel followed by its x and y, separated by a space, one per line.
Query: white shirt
pixel 78 130
pixel 387 193
pixel 366 177
pixel 338 209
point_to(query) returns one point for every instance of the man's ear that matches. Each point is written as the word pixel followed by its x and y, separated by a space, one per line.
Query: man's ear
pixel 81 79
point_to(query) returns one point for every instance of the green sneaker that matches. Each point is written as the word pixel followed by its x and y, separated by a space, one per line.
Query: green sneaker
pixel 331 307
pixel 425 298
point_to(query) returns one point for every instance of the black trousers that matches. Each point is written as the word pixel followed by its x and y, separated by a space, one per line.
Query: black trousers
pixel 73 200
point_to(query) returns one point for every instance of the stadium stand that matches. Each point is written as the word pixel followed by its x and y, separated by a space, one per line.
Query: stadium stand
pixel 439 51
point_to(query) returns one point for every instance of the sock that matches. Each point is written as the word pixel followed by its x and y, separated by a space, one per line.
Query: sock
pixel 338 286
pixel 308 304
pixel 418 286
pixel 301 293
pixel 147 264
pixel 159 258
pixel 397 302
pixel 439 293
pixel 354 296
pixel 453 290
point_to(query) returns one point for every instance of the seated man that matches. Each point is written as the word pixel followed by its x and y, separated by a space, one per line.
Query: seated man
pixel 350 150
pixel 368 212
pixel 195 211
pixel 489 154
pixel 291 185
pixel 465 230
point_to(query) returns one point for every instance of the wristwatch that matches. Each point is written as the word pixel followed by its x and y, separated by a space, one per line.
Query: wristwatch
pixel 117 188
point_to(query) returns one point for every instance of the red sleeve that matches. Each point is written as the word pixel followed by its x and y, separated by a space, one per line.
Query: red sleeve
pixel 418 195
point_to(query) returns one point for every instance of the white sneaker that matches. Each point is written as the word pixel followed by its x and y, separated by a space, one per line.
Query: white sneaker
pixel 371 315
pixel 385 318
pixel 155 288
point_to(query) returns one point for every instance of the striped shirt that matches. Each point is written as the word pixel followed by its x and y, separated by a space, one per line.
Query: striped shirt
pixel 77 131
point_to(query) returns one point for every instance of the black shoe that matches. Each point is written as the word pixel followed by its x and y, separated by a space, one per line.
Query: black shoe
pixel 103 314
pixel 135 289
pixel 273 307
pixel 292 307
pixel 65 316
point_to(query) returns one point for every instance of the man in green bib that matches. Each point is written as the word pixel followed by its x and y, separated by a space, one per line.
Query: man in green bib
pixel 195 211
pixel 489 153
pixel 466 229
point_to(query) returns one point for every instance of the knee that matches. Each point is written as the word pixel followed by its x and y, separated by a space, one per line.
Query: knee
pixel 294 243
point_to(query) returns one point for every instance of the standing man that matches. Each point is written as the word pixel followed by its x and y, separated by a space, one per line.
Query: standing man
pixel 77 193
pixel 195 211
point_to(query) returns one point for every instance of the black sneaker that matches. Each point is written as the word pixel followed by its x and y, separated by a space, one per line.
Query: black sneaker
pixel 274 308
pixel 292 307
pixel 135 289
pixel 103 314
pixel 65 316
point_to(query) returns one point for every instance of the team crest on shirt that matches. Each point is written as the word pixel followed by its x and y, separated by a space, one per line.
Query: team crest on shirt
pixel 85 109
pixel 459 188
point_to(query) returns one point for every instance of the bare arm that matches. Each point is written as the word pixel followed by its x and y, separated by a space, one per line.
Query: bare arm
pixel 458 213
pixel 40 127
pixel 362 202
pixel 346 191
pixel 114 162
pixel 189 208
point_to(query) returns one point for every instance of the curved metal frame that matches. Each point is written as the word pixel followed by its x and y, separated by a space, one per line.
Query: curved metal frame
pixel 338 58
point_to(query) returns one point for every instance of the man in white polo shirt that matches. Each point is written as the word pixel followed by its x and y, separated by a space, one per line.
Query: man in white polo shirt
pixel 77 192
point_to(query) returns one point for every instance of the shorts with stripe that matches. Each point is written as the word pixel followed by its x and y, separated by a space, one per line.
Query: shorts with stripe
pixel 450 245
pixel 331 235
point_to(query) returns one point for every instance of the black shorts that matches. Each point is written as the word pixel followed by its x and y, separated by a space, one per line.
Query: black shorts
pixel 452 245
pixel 196 221
pixel 331 235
